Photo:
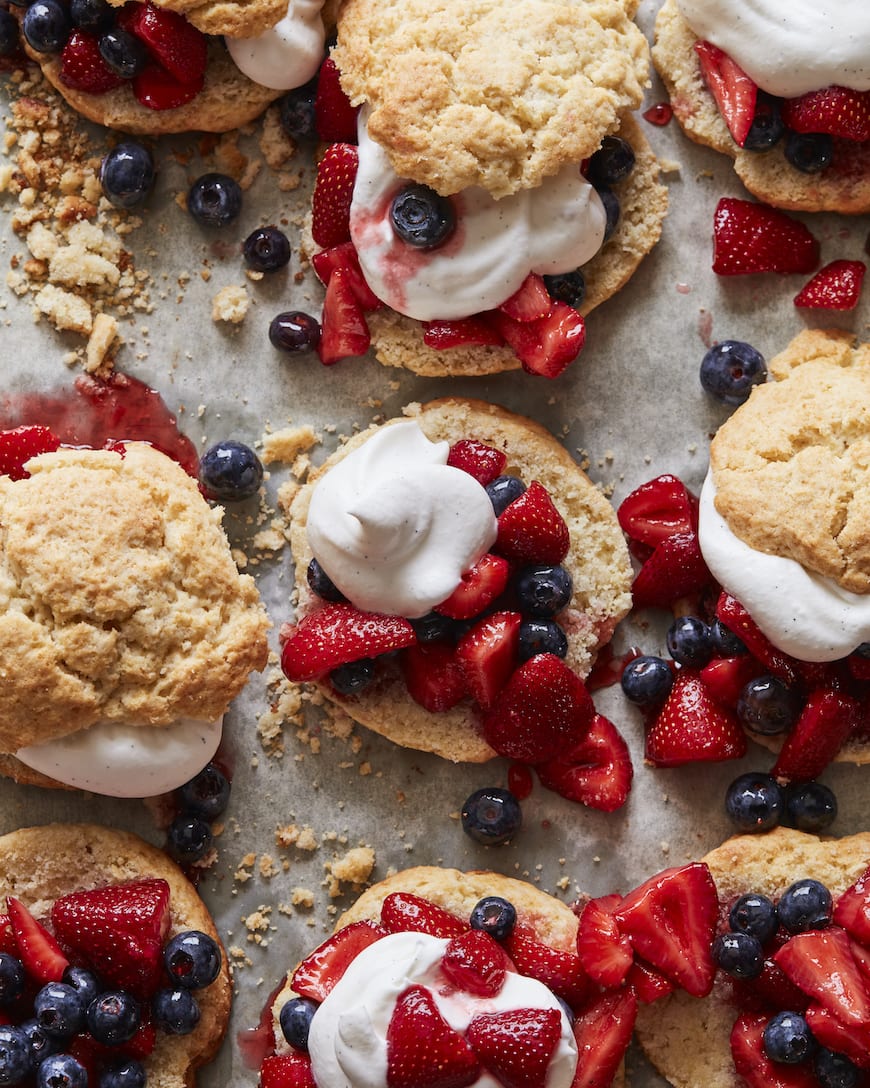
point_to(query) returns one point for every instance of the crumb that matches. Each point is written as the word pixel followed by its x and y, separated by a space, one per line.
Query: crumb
pixel 286 445
pixel 230 304
pixel 302 897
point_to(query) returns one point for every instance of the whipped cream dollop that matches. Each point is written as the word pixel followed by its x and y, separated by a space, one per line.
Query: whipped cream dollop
pixel 289 53
pixel 789 47
pixel 395 527
pixel 119 760
pixel 347 1041
pixel 804 614
pixel 554 228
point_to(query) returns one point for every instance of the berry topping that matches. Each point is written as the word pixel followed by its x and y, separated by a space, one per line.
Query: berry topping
pixel 19 445
pixel 46 26
pixel 541 637
pixel 810 153
pixel 767 125
pixel 787 1038
pixel 214 200
pixel 174 43
pixel 16 1057
pixel 127 174
pixel 491 816
pixel 691 726
pixel 40 953
pixel 230 471
pixel 730 369
pixel 487 655
pixel 811 807
pixel 559 970
pixel 482 462
pixel 155 89
pixel 805 905
pixel 548 345
pixel 291 1070
pixel 188 838
pixel 658 509
pixel 266 249
pixel 59 1010
pixel 421 218
pixel 689 642
pixel 192 959
pixel 821 963
pixel 296 111
pixel 11 978
pixel 423 1051
pixel 750 237
pixel 335 117
pixel 596 771
pixel 321 584
pixel 318 973
pixel 531 529
pixel 734 91
pixel 294 331
pixel 503 490
pixel 852 909
pixel 675 569
pixel 516 1046
pixel 530 302
pixel 175 1012
pixel 827 720
pixel 567 287
pixel 755 915
pixel 344 330
pixel 754 802
pixel 611 163
pixel 605 953
pixel 479 587
pixel 333 191
pixel 338 633
pixel 355 676
pixel 207 794
pixel 647 680
pixel 406 912
pixel 495 916
pixel 837 286
pixel 752 1062
pixel 602 1031
pixel 838 111
pixel 433 675
pixel 125 55
pixel 295 1020
pixel 767 706
pixel 543 590
pixel 475 962
pixel 443 334
pixel 345 258
pixel 739 954
pixel 114 1017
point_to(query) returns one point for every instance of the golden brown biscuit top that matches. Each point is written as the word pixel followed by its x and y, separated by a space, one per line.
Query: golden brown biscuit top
pixel 792 465
pixel 480 92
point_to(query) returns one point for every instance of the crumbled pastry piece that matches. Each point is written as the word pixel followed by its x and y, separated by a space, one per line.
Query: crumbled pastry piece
pixel 231 304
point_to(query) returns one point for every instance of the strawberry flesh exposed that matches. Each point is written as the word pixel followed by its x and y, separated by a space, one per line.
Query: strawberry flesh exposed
pixel 320 971
pixel 837 286
pixel 852 909
pixel 530 302
pixel 596 772
pixel 478 588
pixel 39 952
pixel 734 91
pixel 476 963
pixel 691 727
pixel 423 1051
pixel 344 329
pixel 433 676
pixel 531 529
pixel 334 116
pixel 157 89
pixel 735 617
pixel 346 259
pixel 675 569
pixel 820 962
pixel 405 912
pixel 174 43
pixel 333 191
pixel 749 237
pixel 825 723
pixel 516 1046
pixel 853 1040
pixel 548 345
pixel 726 677
pixel 22 443
pixel 657 510
pixel 602 1032
pixel 559 970
pixel 479 460
pixel 459 332
pixel 753 1064
pixel 606 954
pixel 487 655
pixel 338 633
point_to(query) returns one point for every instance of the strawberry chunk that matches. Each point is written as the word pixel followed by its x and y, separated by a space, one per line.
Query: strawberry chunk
pixel 479 587
pixel 346 258
pixel 516 1046
pixel 735 617
pixel 853 1040
pixel 559 970
pixel 22 443
pixel 671 920
pixel 156 89
pixel 605 953
pixel 726 677
pixel 318 973
pixel 82 66
pixel 658 509
pixel 825 723
pixel 675 569
pixel 596 772
pixel 820 962
pixel 338 633
pixel 749 237
pixel 648 984
pixel 753 1064
pixel 479 460
pixel 333 191
pixel 423 1051
pixel 691 727
pixel 291 1070
pixel 852 909
pixel 405 912
pixel 174 43
pixel 433 676
pixel 602 1032
pixel 344 329
pixel 39 952
pixel 839 111
pixel 837 286
pixel 548 345
pixel 734 91
pixel 530 302
pixel 7 937
pixel 531 529
pixel 475 962
pixel 459 332
pixel 487 655
pixel 543 709
pixel 334 116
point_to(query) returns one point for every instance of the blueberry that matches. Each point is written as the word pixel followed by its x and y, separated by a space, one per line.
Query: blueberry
pixel 768 706
pixel 127 174
pixel 647 680
pixel 754 914
pixel 754 802
pixel 543 590
pixel 295 1020
pixel 123 53
pixel 835 1070
pixel 16 1057
pixel 8 33
pixel 41 1044
pixel 189 839
pixel 46 26
pixel 788 1039
pixel 612 162
pixel 569 287
pixel 60 1010
pixel 294 331
pixel 503 490
pixel 266 249
pixel 354 676
pixel 192 959
pixel 809 152
pixel 495 916
pixel 767 124
pixel 95 16
pixel 611 209
pixel 61 1071
pixel 296 111
pixel 207 794
pixel 321 584
pixel 230 471
pixel 214 200
pixel 689 642
pixel 810 806
pixel 730 369
pixel 128 1073
pixel 541 637
pixel 863 650
pixel 11 978
pixel 725 642
pixel 804 905
pixel 84 982
pixel 491 816
pixel 739 954
pixel 114 1017
pixel 421 217
pixel 433 627
pixel 175 1011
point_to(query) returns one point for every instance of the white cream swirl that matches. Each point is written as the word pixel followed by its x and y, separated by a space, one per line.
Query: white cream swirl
pixel 804 614
pixel 289 53
pixel 789 48
pixel 347 1041
pixel 395 527
pixel 554 228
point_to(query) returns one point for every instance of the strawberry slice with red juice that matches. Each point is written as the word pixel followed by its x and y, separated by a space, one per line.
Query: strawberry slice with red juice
pixel 338 633
pixel 433 676
pixel 825 724
pixel 602 1031
pixel 344 329
pixel 479 460
pixel 606 954
pixel 560 970
pixel 596 772
pixel 460 332
pixel 334 117
pixel 657 510
pixel 852 909
pixel 345 258
pixel 19 445
pixel 530 302
pixel 753 1064
pixel 82 66
pixel 406 912
pixel 478 588
pixel 38 951
pixel 734 91
pixel 174 43
pixel 487 655
pixel 423 1051
pixel 675 569
pixel 820 962
pixel 476 963
pixel 547 345
pixel 839 111
pixel 318 973
pixel 531 529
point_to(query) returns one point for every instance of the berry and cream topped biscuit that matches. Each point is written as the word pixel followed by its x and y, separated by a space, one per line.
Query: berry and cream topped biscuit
pixel 784 91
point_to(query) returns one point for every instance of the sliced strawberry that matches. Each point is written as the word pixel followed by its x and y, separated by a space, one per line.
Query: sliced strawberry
pixel 346 258
pixel 423 1051
pixel 749 237
pixel 403 911
pixel 118 930
pixel 291 1070
pixel 475 962
pixel 516 1046
pixel 460 332
pixel 320 971
pixel 596 772
pixel 602 1032
pixel 658 509
pixel 333 191
pixel 726 677
pixel 648 984
pixel 479 460
pixel 734 91
pixel 675 569
pixel 852 909
pixel 561 971
pixel 7 937
pixel 839 111
pixel 853 1040
pixel 825 723
pixel 735 617
pixel 530 302
pixel 39 952
pixel 143 1042
pixel 531 529
pixel 156 89
pixel 19 445
pixel 174 43
pixel 543 709
pixel 338 633
pixel 334 116
pixel 548 345
pixel 753 1064
pixel 821 963
pixel 837 286
pixel 433 675
pixel 671 921
pixel 771 991
pixel 344 330
pixel 606 954
pixel 82 66
pixel 479 587
pixel 692 727
pixel 487 655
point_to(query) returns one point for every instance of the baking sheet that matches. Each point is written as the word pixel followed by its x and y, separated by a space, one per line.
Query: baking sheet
pixel 631 403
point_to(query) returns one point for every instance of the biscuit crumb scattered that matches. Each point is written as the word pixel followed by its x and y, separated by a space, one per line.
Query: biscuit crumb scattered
pixel 286 445
pixel 231 304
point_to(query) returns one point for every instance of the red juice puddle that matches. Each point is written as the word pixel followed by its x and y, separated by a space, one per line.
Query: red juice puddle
pixel 608 668
pixel 256 1044
pixel 520 781
pixel 659 114
pixel 103 412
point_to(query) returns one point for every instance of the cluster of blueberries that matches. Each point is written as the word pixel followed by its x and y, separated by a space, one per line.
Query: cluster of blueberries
pixel 200 801
pixel 47 24
pixel 38 1047
pixel 809 152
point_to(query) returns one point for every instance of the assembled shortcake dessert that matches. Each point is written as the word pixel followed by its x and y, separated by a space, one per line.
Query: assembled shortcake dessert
pixel 784 91
pixel 496 188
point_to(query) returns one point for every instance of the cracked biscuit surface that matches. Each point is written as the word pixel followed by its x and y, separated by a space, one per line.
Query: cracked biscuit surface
pixel 792 465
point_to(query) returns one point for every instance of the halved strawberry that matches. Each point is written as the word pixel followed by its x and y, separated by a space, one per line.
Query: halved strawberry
pixel 531 529
pixel 675 569
pixel 734 91
pixel 691 727
pixel 821 963
pixel 433 675
pixel 559 970
pixel 852 909
pixel 827 719
pixel 648 984
pixel 548 345
pixel 7 937
pixel 771 991
pixel 174 43
pixel 82 66
pixel 39 952
pixel 658 509
pixel 475 962
pixel 320 971
pixel 157 89
pixel 606 954
pixel 516 1046
pixel 853 1040
pixel 338 633
pixel 735 617
pixel 726 677
pixel 344 330
pixel 333 191
pixel 479 587
pixel 602 1032
pixel 671 920
pixel 346 258
pixel 753 1064
pixel 749 237
pixel 404 911
pixel 423 1051
pixel 543 709
pixel 487 655
pixel 837 286
pixel 530 302
pixel 839 111
pixel 459 332
pixel 22 443
pixel 291 1070
pixel 334 116
pixel 596 772
pixel 479 460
